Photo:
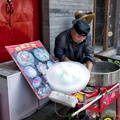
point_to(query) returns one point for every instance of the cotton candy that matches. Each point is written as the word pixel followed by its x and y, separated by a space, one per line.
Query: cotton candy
pixel 68 77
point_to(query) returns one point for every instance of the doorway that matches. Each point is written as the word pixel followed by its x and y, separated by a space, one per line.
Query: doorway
pixel 105 25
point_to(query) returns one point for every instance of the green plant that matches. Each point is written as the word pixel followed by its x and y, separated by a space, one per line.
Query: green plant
pixel 116 61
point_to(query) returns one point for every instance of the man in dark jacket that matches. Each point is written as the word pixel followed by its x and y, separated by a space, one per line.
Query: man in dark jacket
pixel 75 44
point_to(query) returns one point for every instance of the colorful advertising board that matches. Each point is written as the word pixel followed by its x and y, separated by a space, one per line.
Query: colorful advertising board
pixel 33 60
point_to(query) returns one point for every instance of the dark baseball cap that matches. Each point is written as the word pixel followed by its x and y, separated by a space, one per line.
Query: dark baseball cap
pixel 81 27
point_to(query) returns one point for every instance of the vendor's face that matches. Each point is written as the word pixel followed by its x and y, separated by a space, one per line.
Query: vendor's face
pixel 76 37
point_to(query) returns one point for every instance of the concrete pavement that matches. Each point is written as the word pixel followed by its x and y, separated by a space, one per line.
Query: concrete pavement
pixel 48 112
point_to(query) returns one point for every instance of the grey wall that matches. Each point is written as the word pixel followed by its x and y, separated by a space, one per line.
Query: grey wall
pixel 61 14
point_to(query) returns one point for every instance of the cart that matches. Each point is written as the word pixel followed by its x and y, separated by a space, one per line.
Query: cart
pixel 104 85
pixel 96 102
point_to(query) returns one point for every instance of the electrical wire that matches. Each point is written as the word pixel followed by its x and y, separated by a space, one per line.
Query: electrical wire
pixel 56 111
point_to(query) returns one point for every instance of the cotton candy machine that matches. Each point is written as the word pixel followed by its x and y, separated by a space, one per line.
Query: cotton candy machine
pixel 101 90
pixel 104 74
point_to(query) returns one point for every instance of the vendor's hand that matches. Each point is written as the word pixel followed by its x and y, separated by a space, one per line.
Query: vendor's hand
pixel 66 59
pixel 89 66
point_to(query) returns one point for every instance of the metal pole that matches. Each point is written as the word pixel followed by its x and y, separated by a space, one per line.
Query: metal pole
pixel 118 106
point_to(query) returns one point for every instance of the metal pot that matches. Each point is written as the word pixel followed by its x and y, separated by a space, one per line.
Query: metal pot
pixel 104 74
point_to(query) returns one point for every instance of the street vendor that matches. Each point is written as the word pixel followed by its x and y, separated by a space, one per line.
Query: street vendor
pixel 75 44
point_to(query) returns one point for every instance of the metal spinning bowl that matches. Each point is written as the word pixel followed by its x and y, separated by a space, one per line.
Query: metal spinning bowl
pixel 104 74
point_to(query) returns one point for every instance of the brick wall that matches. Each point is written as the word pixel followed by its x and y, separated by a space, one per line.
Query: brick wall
pixel 62 13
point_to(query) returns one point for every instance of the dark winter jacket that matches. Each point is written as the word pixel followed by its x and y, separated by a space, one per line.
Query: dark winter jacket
pixel 64 47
